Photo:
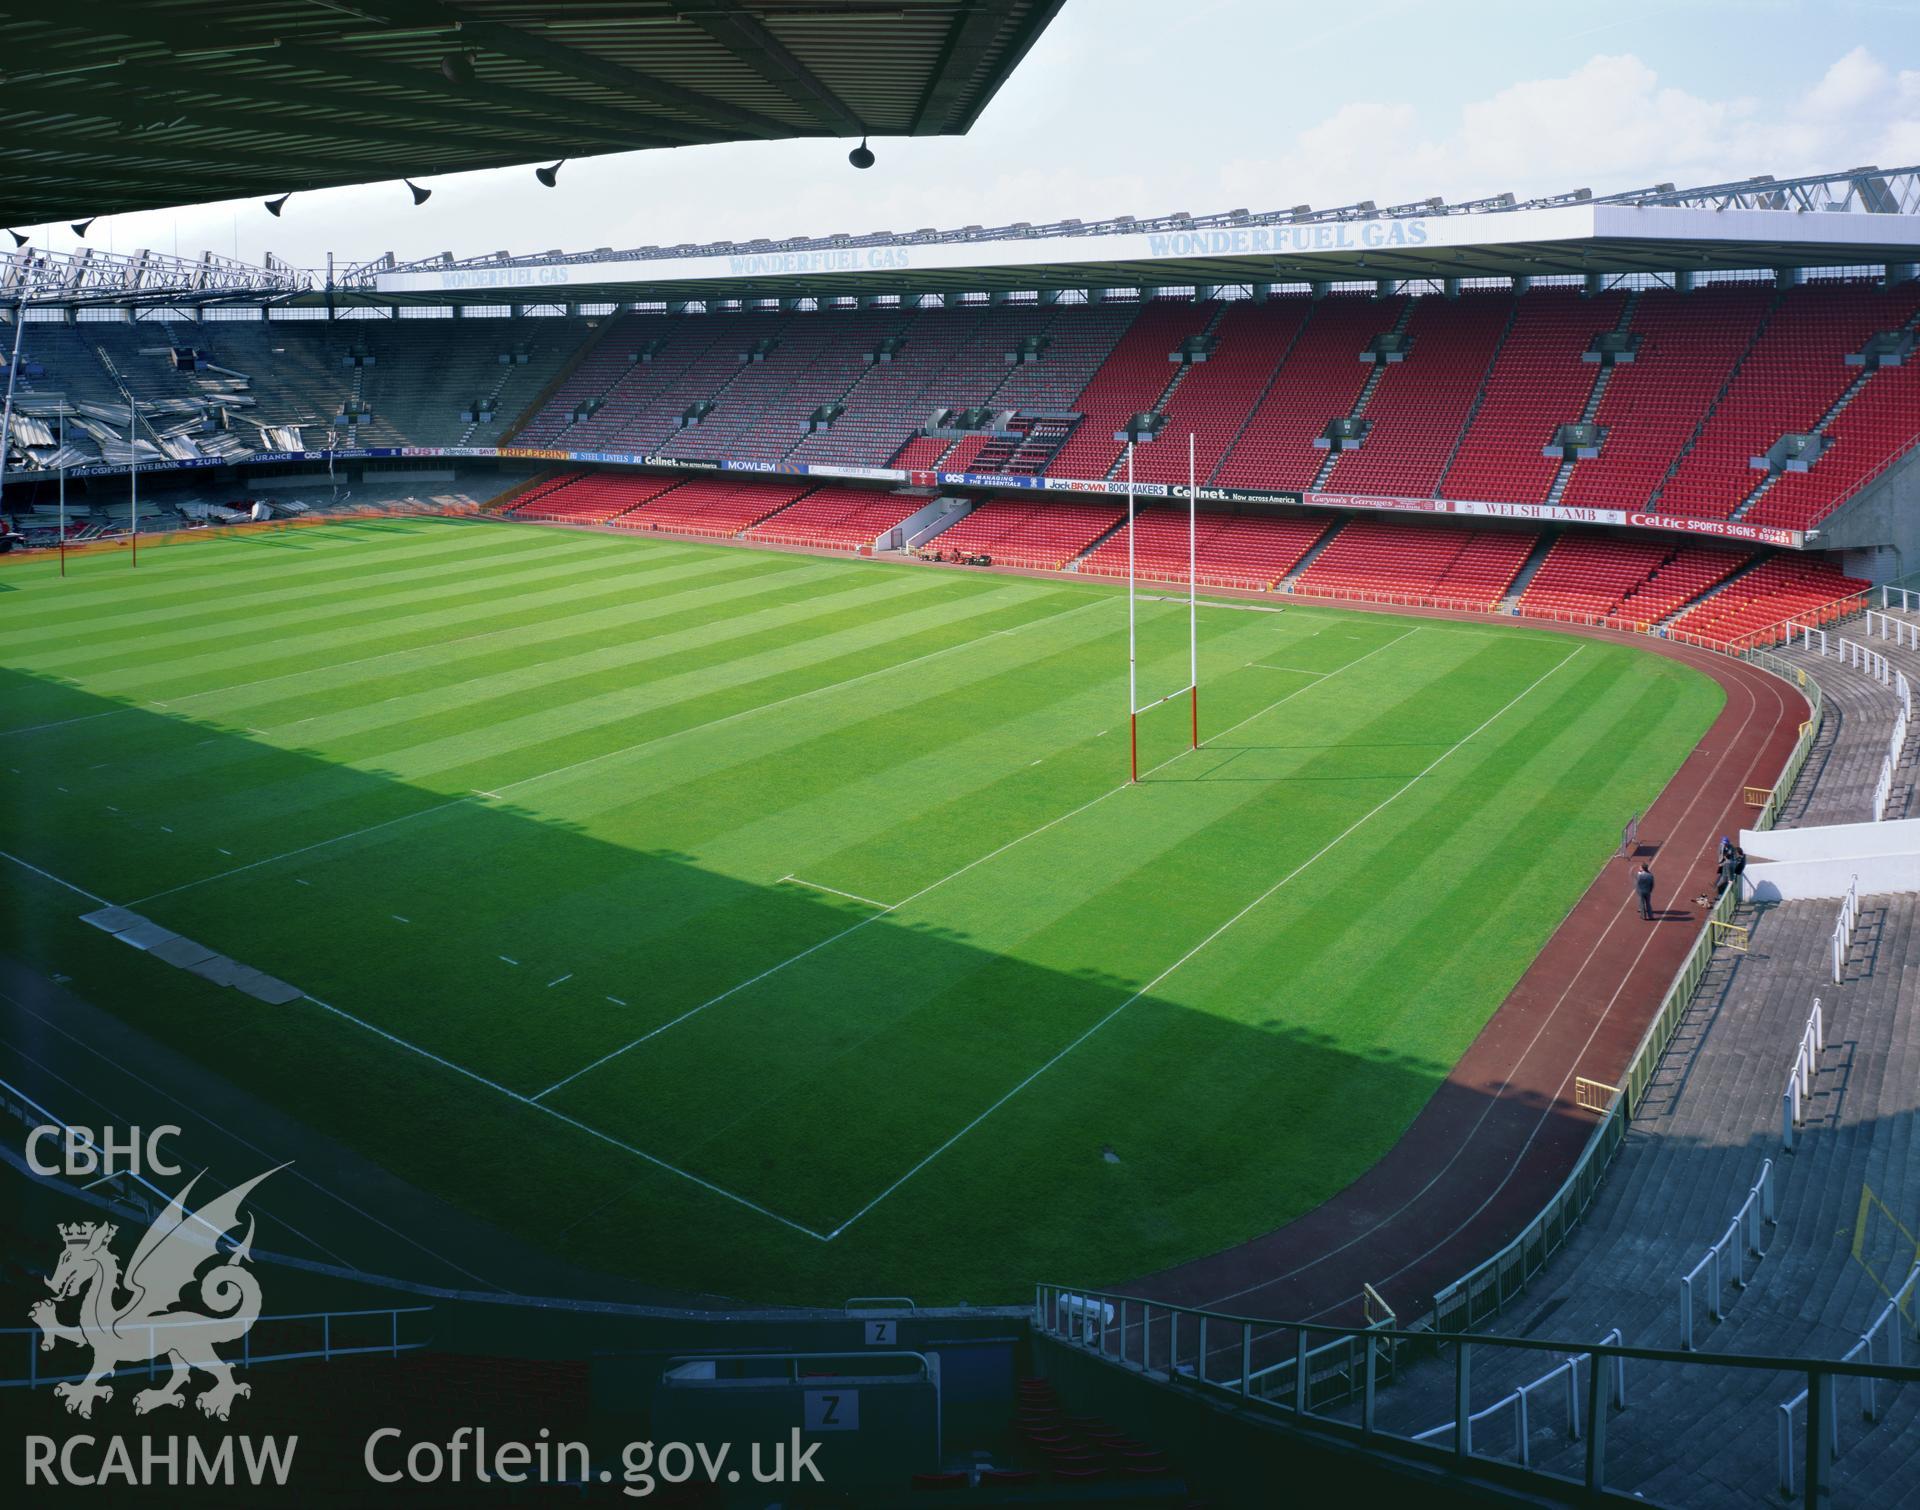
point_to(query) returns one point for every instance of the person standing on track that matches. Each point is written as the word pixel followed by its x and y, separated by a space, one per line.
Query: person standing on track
pixel 1643 888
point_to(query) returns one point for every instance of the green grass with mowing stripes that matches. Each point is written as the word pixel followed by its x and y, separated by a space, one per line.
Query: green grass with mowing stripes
pixel 783 926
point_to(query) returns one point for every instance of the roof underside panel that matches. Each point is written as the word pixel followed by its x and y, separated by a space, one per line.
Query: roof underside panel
pixel 115 106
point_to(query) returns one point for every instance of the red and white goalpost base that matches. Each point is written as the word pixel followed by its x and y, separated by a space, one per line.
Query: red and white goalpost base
pixel 1192 689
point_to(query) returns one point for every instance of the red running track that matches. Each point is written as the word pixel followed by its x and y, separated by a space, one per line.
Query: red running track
pixel 1502 1133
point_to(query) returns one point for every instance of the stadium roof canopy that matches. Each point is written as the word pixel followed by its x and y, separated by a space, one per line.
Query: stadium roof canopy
pixel 1862 216
pixel 108 106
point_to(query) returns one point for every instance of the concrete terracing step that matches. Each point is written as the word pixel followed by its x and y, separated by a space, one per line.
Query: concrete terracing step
pixel 1836 784
pixel 1708 1120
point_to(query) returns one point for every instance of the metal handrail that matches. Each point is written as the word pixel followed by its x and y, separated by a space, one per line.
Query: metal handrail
pixel 1869 1398
pixel 1722 1261
pixel 247 1358
pixel 1067 1327
pixel 1516 1403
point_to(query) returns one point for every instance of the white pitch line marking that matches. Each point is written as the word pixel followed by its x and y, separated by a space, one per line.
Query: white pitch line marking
pixel 835 891
pixel 298 882
pixel 165 830
pixel 80 891
pixel 567 977
pixel 398 919
pixel 573 1122
pixel 616 1001
pixel 227 852
pixel 1204 603
pixel 509 960
pixel 60 723
pixel 438 807
pixel 834 938
pixel 1317 855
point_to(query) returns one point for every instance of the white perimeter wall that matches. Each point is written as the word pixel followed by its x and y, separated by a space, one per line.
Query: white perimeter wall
pixel 1798 863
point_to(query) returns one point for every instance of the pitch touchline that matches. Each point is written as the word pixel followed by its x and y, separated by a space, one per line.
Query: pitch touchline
pixel 638 1153
pixel 834 938
pixel 220 1127
pixel 624 750
pixel 48 876
pixel 474 1075
pixel 1318 854
pixel 835 891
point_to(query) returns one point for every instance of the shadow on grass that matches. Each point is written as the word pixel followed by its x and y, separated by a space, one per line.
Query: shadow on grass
pixel 941 1111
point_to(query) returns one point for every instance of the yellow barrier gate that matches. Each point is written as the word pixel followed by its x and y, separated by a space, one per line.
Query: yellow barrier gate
pixel 1593 1095
pixel 1733 935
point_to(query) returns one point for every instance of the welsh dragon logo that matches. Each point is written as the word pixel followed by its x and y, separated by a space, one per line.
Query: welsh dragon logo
pixel 138 1318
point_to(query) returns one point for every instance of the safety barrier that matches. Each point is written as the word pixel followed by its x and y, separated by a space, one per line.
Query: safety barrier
pixel 334 1337
pixel 1864 659
pixel 1725 1263
pixel 1900 1307
pixel 1515 1405
pixel 1780 632
pixel 1361 1353
pixel 1905 599
pixel 1214 1350
pixel 1806 1062
pixel 1808 634
pixel 1843 929
pixel 1896 747
pixel 1903 634
pixel 1809 687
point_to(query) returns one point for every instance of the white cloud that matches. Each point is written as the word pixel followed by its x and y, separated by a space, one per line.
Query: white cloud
pixel 1609 124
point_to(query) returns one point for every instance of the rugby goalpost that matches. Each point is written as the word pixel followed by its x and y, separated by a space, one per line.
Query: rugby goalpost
pixel 1192 689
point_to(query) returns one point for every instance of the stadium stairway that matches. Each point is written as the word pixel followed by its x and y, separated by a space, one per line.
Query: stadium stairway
pixel 1856 727
pixel 1288 582
pixel 1707 1122
pixel 1365 397
pixel 1541 549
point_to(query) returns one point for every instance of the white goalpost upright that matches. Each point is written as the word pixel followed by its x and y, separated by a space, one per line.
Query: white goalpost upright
pixel 1192 688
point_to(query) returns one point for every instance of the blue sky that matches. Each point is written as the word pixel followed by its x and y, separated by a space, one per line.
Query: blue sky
pixel 1140 106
